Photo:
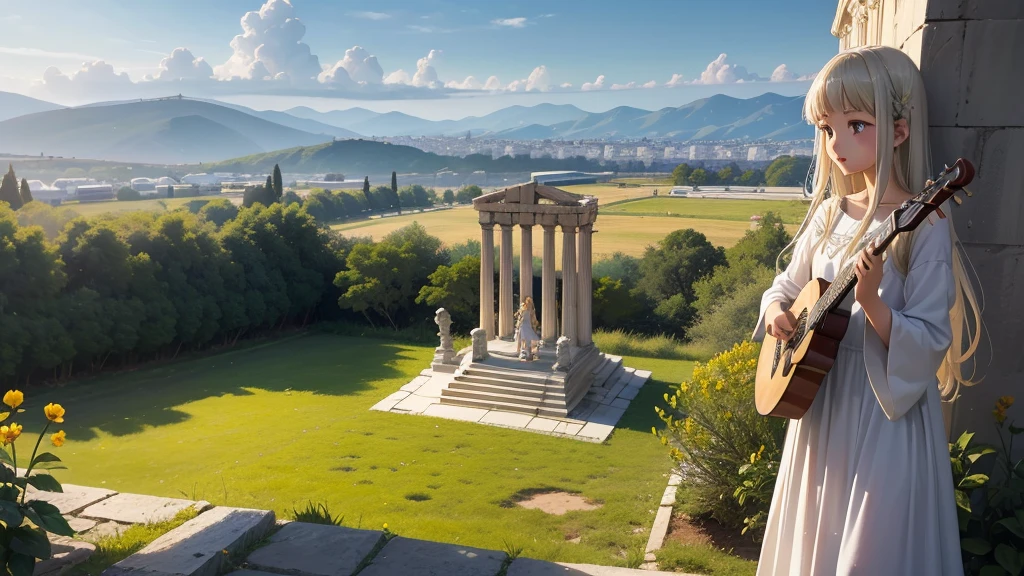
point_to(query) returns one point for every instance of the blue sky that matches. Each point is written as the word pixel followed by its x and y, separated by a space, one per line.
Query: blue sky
pixel 629 43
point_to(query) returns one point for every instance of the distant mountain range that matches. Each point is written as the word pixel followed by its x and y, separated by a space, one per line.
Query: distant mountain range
pixel 14 105
pixel 168 131
pixel 718 117
pixel 186 130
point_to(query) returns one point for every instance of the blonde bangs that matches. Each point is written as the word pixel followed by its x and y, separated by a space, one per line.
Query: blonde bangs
pixel 845 85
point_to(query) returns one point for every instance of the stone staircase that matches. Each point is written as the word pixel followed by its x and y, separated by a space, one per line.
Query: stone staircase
pixel 504 383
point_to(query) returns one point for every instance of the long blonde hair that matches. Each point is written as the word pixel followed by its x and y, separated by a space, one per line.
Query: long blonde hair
pixel 885 82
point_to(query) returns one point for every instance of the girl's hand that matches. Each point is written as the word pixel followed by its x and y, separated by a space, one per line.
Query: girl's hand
pixel 781 325
pixel 869 277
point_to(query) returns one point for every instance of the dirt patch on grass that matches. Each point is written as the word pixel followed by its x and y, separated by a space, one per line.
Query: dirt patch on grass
pixel 707 531
pixel 550 501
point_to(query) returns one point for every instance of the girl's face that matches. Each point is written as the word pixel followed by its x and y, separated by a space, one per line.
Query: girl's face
pixel 850 140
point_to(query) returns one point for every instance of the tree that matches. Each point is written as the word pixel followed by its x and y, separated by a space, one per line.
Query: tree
pixel 394 192
pixel 334 177
pixel 127 193
pixel 270 188
pixel 762 244
pixel 278 182
pixel 259 194
pixel 466 194
pixel 725 175
pixel 366 192
pixel 669 271
pixel 448 197
pixel 681 175
pixel 698 177
pixel 787 171
pixel 456 288
pixel 26 192
pixel 218 211
pixel 614 306
pixel 733 318
pixel 9 189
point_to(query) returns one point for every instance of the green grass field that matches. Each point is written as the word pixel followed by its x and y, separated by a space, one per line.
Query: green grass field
pixel 115 206
pixel 792 212
pixel 282 423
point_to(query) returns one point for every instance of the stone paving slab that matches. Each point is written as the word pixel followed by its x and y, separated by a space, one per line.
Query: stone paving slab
pixel 304 549
pixel 675 480
pixel 659 529
pixel 196 548
pixel 65 554
pixel 593 419
pixel 388 403
pixel 464 413
pixel 669 497
pixel 137 508
pixel 415 404
pixel 511 419
pixel 80 524
pixel 542 424
pixel 423 558
pixel 74 498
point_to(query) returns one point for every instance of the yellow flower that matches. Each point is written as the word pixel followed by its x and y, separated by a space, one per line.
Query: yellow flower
pixel 753 457
pixel 385 525
pixel 58 439
pixel 54 412
pixel 1005 401
pixel 10 433
pixel 14 398
pixel 999 414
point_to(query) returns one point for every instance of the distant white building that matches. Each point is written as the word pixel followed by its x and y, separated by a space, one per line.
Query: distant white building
pixel 69 185
pixel 701 152
pixel 609 152
pixel 757 153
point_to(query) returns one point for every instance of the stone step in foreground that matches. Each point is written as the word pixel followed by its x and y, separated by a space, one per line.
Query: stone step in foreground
pixel 315 550
pixel 197 547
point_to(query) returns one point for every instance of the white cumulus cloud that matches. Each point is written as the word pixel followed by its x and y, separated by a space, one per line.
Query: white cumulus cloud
pixel 470 83
pixel 271 46
pixel 492 83
pixel 425 74
pixel 96 78
pixel 565 85
pixel 510 22
pixel 720 72
pixel 782 74
pixel 358 65
pixel 595 85
pixel 398 77
pixel 539 80
pixel 182 65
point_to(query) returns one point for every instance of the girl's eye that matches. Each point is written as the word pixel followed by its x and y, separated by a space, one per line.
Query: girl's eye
pixel 826 129
pixel 858 126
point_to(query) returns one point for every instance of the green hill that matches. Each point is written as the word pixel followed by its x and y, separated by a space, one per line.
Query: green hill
pixel 167 131
pixel 369 157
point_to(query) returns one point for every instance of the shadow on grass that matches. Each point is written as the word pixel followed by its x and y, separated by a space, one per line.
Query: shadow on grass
pixel 640 415
pixel 129 402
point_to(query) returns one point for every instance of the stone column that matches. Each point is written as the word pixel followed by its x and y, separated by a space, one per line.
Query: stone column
pixel 506 308
pixel 569 282
pixel 549 313
pixel 584 273
pixel 487 279
pixel 526 263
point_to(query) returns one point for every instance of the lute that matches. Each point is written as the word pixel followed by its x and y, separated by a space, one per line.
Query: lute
pixel 790 373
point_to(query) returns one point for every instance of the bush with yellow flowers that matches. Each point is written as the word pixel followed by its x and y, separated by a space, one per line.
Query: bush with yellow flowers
pixel 727 452
pixel 23 525
pixel 990 510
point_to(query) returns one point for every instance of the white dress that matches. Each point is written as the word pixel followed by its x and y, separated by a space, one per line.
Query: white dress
pixel 864 484
pixel 525 331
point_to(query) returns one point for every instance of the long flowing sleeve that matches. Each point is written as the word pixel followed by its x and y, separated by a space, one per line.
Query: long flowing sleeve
pixel 788 284
pixel 921 330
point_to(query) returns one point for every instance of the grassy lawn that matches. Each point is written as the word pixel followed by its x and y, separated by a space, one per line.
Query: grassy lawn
pixel 153 205
pixel 281 423
pixel 615 232
pixel 792 211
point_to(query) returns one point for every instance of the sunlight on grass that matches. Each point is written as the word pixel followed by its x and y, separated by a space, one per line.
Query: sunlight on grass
pixel 113 549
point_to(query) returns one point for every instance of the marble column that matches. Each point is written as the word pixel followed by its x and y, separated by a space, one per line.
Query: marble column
pixel 487 279
pixel 584 273
pixel 569 283
pixel 506 308
pixel 549 312
pixel 526 263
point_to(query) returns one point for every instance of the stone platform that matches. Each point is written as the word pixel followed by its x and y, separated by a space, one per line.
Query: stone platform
pixel 508 392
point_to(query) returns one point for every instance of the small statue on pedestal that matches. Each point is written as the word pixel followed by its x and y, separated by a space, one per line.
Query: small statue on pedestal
pixel 444 321
pixel 562 359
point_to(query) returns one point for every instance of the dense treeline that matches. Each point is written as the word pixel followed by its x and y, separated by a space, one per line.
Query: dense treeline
pixel 79 295
pixel 783 171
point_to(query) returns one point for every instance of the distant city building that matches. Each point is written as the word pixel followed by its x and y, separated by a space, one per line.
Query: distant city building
pixel 94 192
pixel 566 178
pixel 69 185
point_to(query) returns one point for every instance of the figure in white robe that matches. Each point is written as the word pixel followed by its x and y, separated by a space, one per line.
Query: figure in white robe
pixel 865 484
pixel 526 329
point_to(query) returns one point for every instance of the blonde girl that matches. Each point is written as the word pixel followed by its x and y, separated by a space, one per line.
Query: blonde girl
pixel 864 483
pixel 526 329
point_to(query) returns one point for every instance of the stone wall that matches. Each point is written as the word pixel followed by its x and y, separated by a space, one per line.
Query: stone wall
pixel 971 53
